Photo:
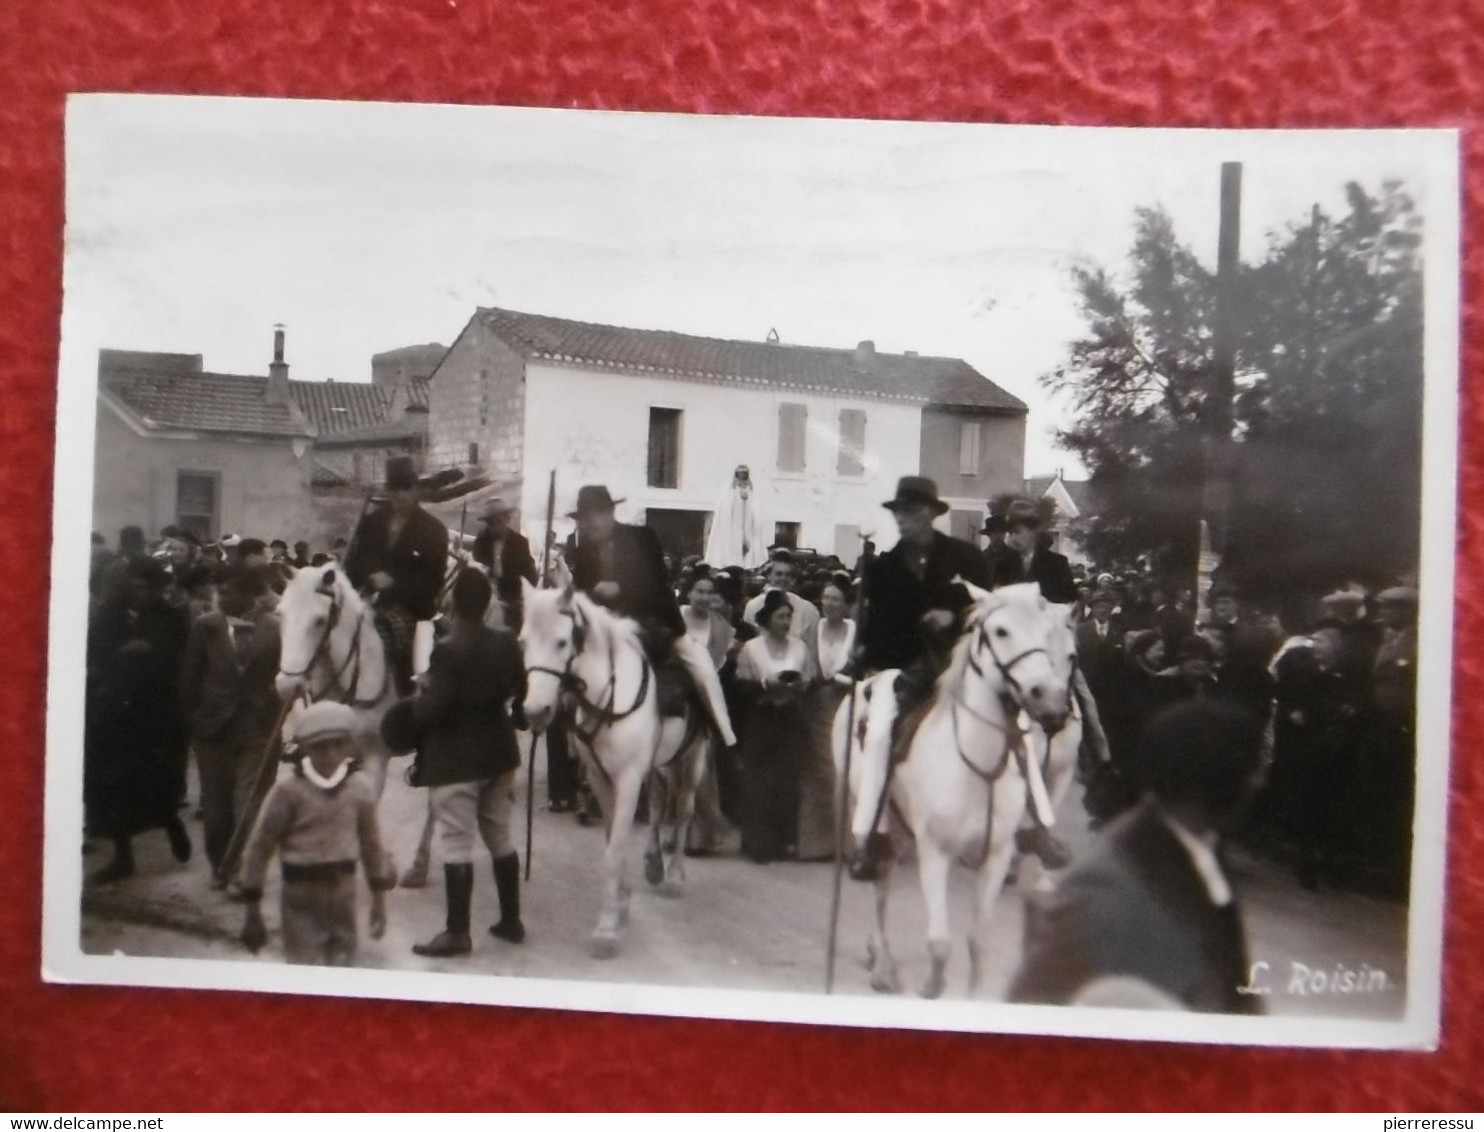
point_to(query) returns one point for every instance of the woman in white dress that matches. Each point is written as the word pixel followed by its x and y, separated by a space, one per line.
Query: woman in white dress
pixel 831 644
pixel 774 673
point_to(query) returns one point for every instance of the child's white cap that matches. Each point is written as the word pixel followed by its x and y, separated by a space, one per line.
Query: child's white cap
pixel 324 720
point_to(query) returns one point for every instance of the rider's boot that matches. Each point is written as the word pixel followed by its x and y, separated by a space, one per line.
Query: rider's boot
pixel 1041 842
pixel 507 885
pixel 458 881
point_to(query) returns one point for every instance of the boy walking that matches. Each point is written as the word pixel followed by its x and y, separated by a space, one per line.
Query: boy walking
pixel 319 821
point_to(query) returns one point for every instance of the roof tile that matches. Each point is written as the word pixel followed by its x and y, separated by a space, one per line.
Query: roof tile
pixel 909 377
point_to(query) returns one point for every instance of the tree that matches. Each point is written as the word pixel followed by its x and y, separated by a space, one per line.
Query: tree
pixel 1326 475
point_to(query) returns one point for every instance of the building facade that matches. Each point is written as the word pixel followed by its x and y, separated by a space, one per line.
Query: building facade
pixel 663 419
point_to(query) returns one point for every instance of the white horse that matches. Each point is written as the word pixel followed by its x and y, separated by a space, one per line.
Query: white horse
pixel 332 650
pixel 579 653
pixel 966 775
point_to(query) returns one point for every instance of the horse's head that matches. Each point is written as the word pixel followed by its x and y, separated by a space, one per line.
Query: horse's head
pixel 313 603
pixel 1024 641
pixel 551 636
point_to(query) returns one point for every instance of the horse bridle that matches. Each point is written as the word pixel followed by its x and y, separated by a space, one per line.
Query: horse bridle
pixel 348 693
pixel 605 715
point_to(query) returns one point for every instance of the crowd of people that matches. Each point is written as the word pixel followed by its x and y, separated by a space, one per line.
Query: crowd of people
pixel 183 651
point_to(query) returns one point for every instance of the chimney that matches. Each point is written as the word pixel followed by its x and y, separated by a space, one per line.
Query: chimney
pixel 865 352
pixel 278 371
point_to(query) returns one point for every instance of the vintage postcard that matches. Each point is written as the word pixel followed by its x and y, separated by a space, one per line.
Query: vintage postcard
pixel 896 574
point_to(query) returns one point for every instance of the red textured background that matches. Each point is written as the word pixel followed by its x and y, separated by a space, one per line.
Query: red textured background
pixel 1089 62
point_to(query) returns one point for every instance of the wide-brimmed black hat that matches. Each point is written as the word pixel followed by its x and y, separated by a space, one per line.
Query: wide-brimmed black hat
pixel 593 497
pixel 401 473
pixel 915 490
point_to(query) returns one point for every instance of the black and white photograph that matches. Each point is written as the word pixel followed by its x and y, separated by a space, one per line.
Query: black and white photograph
pixel 904 574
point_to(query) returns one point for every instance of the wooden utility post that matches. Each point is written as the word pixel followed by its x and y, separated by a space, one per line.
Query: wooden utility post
pixel 1219 415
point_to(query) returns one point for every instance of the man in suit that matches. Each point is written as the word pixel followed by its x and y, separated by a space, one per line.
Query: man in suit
pixel 400 553
pixel 229 701
pixel 1151 920
pixel 506 554
pixel 1024 559
pixel 912 611
pixel 622 567
pixel 1100 652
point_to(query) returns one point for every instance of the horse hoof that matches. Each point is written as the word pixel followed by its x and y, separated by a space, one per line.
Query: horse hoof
pixel 654 868
pixel 671 889
pixel 603 946
pixel 932 986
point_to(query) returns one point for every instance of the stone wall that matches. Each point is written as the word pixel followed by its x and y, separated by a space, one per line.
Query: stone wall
pixel 478 396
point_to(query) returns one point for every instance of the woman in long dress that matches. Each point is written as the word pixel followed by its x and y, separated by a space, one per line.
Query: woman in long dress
pixel 831 644
pixel 774 672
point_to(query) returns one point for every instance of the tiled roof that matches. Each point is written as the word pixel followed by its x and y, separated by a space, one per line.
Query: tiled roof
pixel 169 397
pixel 413 426
pixel 336 406
pixel 907 377
pixel 203 402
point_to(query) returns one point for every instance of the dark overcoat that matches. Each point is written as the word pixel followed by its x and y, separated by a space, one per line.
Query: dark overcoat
pixel 1138 908
pixel 463 725
pixel 890 632
pixel 417 561
pixel 634 560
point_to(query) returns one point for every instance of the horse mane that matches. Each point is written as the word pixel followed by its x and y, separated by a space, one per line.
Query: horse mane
pixel 953 675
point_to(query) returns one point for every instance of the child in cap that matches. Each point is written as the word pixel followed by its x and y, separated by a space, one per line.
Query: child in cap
pixel 320 821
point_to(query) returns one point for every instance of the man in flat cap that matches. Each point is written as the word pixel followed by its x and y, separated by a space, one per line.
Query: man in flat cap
pixel 400 553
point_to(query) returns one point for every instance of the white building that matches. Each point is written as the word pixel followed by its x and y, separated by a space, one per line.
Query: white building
pixel 663 419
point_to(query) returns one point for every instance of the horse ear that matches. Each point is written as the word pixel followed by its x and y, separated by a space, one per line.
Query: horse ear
pixel 526 589
pixel 327 581
pixel 980 596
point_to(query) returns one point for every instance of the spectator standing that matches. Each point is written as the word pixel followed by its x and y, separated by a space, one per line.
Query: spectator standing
pixel 774 670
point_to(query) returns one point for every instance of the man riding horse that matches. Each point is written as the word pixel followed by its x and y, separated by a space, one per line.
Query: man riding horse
pixel 622 567
pixel 400 553
pixel 914 611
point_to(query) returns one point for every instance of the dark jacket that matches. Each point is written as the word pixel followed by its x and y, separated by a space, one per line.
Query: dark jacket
pixel 890 634
pixel 636 562
pixel 464 729
pixel 417 561
pixel 1101 659
pixel 1137 908
pixel 1050 570
pixel 515 563
pixel 222 698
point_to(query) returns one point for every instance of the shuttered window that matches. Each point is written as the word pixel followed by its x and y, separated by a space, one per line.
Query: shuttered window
pixel 664 448
pixel 852 442
pixel 793 424
pixel 968 448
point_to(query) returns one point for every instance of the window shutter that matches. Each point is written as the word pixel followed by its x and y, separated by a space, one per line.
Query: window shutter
pixel 852 442
pixel 792 428
pixel 968 448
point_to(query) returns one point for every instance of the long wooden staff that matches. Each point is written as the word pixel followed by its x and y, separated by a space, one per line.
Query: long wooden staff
pixel 842 802
pixel 531 755
pixel 263 780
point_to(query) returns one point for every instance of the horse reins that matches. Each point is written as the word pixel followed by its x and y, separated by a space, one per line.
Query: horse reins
pixel 348 693
pixel 605 715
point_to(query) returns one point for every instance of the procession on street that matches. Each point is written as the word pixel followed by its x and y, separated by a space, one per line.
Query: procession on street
pixel 690 628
